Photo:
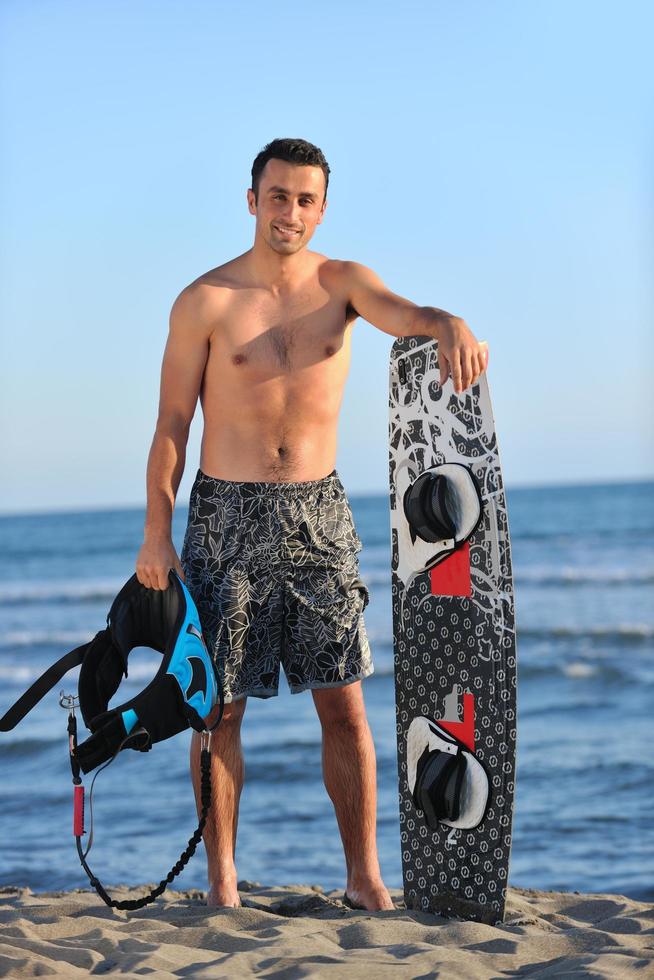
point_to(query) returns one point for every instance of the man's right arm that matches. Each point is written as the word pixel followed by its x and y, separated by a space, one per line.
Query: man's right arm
pixel 182 369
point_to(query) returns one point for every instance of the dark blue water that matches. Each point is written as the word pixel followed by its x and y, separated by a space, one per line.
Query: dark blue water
pixel 584 570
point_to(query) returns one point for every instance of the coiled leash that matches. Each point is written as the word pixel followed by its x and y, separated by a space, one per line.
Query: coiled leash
pixel 70 702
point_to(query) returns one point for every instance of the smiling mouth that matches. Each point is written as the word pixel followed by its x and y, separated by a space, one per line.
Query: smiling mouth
pixel 286 231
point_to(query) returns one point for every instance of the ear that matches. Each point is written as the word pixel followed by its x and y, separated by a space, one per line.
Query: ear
pixel 252 204
pixel 322 212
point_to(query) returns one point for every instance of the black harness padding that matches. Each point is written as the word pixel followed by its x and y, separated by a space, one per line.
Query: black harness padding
pixel 139 617
pixel 437 791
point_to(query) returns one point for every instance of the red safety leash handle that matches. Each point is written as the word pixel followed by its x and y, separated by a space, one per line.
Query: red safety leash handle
pixel 78 810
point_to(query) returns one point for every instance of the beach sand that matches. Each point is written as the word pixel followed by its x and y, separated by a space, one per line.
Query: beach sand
pixel 302 931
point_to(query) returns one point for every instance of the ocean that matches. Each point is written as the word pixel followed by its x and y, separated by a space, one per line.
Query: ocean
pixel 583 560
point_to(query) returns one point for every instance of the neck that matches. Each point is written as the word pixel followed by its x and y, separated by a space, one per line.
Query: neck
pixel 272 270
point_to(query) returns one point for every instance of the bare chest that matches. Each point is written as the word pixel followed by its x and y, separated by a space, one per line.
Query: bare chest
pixel 261 338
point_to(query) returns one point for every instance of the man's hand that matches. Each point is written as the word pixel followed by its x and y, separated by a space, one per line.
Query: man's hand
pixel 155 559
pixel 460 355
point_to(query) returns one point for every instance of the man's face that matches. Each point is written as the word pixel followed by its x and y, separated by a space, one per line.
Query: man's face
pixel 290 205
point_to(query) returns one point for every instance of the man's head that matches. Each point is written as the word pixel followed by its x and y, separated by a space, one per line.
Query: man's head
pixel 288 193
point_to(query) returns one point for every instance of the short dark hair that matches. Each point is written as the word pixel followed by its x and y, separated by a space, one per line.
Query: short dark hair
pixel 299 152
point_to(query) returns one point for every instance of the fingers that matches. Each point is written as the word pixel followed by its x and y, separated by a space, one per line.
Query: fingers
pixel 459 370
pixel 155 576
pixel 480 359
pixel 469 373
pixel 464 365
pixel 151 577
pixel 154 562
pixel 455 370
pixel 444 366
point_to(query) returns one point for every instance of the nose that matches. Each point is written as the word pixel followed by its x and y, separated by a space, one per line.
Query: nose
pixel 290 213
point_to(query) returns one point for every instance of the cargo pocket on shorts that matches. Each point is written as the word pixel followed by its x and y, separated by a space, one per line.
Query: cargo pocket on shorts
pixel 339 606
pixel 357 585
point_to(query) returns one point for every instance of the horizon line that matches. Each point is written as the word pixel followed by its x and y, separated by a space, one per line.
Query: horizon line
pixel 352 495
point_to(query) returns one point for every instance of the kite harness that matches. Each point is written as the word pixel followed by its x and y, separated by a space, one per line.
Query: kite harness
pixel 182 693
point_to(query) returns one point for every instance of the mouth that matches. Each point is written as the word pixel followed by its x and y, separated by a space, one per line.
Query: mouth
pixel 286 231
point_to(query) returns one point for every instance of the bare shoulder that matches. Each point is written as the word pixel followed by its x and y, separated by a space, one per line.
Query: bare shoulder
pixel 346 277
pixel 345 272
pixel 229 275
pixel 201 304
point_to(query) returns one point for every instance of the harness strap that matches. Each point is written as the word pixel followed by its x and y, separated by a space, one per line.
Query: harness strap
pixel 105 741
pixel 44 684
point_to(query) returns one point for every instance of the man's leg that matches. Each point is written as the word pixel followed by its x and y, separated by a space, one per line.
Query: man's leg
pixel 227 774
pixel 349 772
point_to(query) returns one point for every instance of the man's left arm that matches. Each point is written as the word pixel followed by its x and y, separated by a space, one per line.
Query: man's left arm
pixel 460 353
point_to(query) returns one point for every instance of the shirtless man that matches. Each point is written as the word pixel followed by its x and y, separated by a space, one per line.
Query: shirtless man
pixel 270 552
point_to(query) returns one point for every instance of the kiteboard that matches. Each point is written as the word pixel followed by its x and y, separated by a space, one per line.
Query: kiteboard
pixel 454 639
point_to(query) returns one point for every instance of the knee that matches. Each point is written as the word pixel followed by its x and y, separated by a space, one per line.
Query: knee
pixel 346 727
pixel 341 709
pixel 348 722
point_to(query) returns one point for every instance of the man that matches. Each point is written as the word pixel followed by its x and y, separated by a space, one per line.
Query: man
pixel 270 552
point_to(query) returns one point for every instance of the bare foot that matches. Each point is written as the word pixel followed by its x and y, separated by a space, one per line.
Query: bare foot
pixel 223 893
pixel 372 895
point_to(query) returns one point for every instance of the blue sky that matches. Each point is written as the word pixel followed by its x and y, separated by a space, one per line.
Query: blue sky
pixel 493 159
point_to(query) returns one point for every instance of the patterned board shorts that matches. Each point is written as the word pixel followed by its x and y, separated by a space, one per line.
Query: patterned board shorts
pixel 274 572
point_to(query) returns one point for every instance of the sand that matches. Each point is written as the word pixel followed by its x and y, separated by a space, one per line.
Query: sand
pixel 302 931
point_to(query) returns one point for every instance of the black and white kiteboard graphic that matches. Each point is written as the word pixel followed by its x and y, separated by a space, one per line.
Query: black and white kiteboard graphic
pixel 454 639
